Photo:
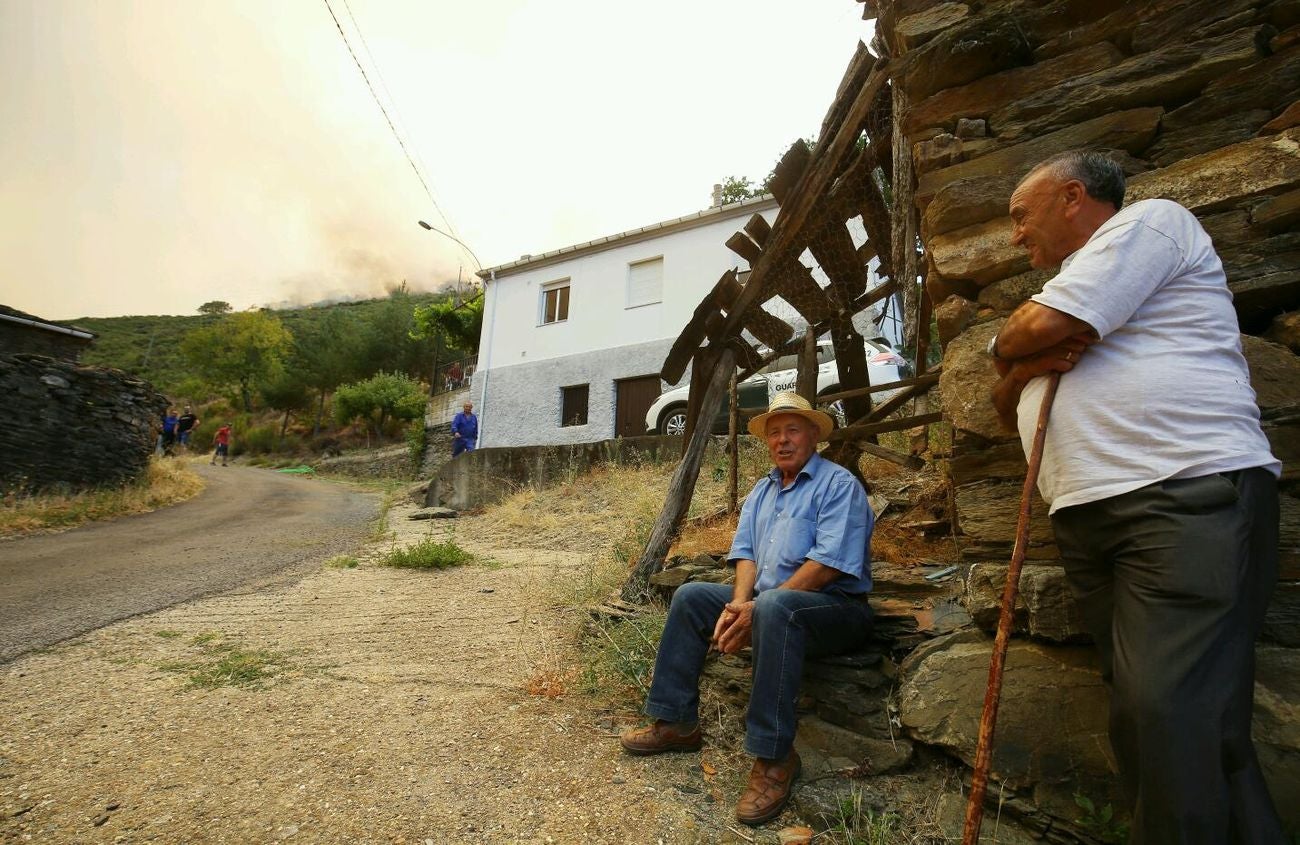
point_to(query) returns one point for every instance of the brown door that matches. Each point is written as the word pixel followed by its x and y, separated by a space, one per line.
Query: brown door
pixel 633 398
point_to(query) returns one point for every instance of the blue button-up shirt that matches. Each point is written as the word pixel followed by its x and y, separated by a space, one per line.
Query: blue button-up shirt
pixel 823 516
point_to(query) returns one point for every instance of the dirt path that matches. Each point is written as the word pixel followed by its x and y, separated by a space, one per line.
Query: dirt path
pixel 399 715
pixel 248 528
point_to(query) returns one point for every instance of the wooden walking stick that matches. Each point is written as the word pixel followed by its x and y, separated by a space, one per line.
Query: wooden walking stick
pixel 989 717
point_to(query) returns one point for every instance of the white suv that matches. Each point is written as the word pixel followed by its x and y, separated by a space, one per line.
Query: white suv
pixel 668 414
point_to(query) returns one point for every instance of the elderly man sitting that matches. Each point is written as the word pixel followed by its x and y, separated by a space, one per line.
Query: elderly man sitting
pixel 802 574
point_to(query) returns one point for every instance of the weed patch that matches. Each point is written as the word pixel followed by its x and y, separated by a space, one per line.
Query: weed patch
pixel 343 562
pixel 223 664
pixel 166 481
pixel 168 634
pixel 619 656
pixel 427 554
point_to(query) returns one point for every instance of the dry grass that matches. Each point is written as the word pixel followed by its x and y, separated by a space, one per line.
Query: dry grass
pixel 166 481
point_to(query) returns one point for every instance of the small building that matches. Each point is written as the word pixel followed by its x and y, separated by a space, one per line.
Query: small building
pixel 573 339
pixel 21 332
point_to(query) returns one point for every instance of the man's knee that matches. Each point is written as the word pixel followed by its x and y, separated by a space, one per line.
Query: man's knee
pixel 773 606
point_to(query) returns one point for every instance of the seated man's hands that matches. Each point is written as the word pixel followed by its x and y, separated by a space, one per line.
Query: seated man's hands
pixel 734 628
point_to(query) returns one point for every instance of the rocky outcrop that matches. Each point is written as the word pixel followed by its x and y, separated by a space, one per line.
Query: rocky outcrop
pixel 73 426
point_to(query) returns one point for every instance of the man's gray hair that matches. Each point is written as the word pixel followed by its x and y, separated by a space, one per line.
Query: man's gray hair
pixel 1101 176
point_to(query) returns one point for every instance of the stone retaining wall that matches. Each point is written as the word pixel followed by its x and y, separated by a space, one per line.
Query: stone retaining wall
pixel 71 425
pixel 1199 100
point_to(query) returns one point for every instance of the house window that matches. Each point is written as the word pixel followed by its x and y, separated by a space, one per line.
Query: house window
pixel 555 302
pixel 573 405
pixel 645 282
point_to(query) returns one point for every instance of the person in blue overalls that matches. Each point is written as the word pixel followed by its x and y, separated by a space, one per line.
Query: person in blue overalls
pixel 464 430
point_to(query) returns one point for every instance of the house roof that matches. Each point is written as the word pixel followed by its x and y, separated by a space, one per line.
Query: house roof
pixel 13 315
pixel 654 230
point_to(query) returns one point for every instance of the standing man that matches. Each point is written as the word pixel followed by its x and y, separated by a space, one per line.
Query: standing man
pixel 185 426
pixel 1161 484
pixel 222 441
pixel 169 421
pixel 464 430
pixel 802 575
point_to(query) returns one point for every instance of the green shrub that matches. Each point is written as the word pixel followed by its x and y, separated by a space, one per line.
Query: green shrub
pixel 428 554
pixel 416 440
pixel 378 399
pixel 257 440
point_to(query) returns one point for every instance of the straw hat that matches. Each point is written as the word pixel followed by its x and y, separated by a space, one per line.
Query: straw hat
pixel 792 403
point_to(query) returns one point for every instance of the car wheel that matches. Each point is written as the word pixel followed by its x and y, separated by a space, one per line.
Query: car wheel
pixel 673 421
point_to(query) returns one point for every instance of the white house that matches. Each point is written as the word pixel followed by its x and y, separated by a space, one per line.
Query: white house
pixel 573 339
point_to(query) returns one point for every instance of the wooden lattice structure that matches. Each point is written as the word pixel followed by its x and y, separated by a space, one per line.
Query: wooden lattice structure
pixel 858 170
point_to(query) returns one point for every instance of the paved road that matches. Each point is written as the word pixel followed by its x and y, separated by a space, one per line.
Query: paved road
pixel 249 527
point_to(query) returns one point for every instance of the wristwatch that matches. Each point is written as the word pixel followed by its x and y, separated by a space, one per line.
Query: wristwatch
pixel 993 347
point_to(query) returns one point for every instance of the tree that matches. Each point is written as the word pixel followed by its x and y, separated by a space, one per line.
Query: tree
pixel 328 354
pixel 242 350
pixel 387 341
pixel 287 391
pixel 460 325
pixel 737 188
pixel 215 308
pixel 378 398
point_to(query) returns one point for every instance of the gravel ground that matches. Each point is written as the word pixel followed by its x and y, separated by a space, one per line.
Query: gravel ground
pixel 397 714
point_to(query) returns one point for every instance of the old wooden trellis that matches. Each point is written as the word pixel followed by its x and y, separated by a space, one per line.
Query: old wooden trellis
pixel 818 191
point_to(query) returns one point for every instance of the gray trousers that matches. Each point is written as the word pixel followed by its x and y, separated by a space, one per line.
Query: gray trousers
pixel 1173 581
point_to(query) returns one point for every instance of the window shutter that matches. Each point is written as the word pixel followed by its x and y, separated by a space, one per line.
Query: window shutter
pixel 645 282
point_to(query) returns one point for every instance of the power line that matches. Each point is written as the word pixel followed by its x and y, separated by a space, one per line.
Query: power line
pixel 397 112
pixel 396 135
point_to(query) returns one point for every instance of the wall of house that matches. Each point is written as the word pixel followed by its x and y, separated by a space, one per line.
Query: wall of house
pixel 522 406
pixel 16 338
pixel 524 364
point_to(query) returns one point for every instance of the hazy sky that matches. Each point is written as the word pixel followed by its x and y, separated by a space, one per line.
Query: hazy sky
pixel 156 155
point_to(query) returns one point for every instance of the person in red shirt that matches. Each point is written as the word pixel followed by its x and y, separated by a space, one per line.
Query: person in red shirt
pixel 222 439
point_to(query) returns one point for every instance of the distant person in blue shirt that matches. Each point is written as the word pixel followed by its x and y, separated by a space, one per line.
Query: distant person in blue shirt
pixel 464 430
pixel 169 421
pixel 802 575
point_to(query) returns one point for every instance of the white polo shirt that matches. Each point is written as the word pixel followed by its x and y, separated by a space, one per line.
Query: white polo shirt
pixel 1166 392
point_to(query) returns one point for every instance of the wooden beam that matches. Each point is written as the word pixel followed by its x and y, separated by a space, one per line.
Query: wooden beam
pixel 856 432
pixel 898 400
pixel 699 375
pixel 806 378
pixel 909 461
pixel 741 244
pixel 801 201
pixel 758 228
pixel 929 378
pixel 768 328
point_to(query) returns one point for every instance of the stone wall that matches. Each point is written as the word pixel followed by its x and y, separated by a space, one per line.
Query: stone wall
pixel 70 425
pixel 486 476
pixel 1200 103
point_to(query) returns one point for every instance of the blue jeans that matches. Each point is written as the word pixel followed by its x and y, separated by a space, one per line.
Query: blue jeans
pixel 788 626
pixel 462 444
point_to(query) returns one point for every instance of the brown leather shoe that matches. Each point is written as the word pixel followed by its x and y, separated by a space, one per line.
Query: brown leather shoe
pixel 770 782
pixel 660 736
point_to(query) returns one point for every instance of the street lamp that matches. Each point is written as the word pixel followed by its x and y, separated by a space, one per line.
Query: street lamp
pixel 424 225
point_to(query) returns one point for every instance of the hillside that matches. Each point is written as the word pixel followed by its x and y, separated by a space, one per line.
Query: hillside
pixel 149 346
